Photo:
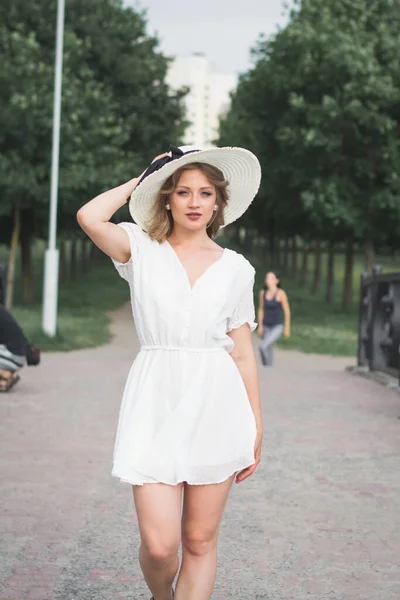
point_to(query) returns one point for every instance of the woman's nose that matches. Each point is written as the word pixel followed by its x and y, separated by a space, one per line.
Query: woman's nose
pixel 194 200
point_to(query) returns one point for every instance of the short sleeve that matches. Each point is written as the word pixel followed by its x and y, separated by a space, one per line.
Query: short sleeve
pixel 136 242
pixel 244 311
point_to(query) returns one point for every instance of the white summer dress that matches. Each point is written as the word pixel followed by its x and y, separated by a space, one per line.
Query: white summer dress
pixel 185 413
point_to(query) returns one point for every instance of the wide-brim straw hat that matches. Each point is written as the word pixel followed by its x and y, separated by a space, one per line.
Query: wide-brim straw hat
pixel 240 167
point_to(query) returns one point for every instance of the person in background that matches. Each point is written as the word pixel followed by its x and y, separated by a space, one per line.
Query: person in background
pixel 273 317
pixel 15 350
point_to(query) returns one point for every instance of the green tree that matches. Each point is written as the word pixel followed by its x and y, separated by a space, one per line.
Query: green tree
pixel 321 105
pixel 117 110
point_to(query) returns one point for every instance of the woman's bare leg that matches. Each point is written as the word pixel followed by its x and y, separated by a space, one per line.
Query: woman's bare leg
pixel 158 508
pixel 203 509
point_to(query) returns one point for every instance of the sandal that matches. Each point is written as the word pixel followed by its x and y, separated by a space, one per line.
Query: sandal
pixel 10 384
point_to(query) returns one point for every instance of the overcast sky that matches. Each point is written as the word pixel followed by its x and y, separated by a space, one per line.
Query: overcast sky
pixel 225 30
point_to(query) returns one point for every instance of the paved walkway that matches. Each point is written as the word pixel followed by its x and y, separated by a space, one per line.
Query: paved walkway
pixel 319 520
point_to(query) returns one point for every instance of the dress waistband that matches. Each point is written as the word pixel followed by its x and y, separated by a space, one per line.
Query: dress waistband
pixel 183 348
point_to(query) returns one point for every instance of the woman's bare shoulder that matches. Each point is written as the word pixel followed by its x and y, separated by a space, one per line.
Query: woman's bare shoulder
pixel 241 261
pixel 281 295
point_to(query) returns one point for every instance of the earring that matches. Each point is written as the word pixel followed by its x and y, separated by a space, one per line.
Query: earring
pixel 215 207
pixel 167 206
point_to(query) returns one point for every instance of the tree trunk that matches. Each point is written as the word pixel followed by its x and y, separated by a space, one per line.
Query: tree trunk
pixel 369 254
pixel 91 253
pixel 272 247
pixel 12 259
pixel 348 276
pixel 79 255
pixel 278 254
pixel 248 243
pixel 73 260
pixel 330 279
pixel 63 262
pixel 28 287
pixel 317 268
pixel 304 266
pixel 84 256
pixel 294 259
pixel 286 252
pixel 236 235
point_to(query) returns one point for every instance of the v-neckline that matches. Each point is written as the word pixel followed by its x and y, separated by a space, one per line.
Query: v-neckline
pixel 192 287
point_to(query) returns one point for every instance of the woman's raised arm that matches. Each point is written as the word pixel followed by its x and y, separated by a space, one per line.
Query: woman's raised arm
pixel 94 218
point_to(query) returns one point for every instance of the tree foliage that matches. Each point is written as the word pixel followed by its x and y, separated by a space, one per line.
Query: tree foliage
pixel 116 108
pixel 320 107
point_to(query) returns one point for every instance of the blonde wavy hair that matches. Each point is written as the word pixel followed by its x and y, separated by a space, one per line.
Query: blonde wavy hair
pixel 161 223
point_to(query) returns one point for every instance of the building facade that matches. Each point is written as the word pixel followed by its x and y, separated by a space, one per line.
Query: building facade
pixel 207 99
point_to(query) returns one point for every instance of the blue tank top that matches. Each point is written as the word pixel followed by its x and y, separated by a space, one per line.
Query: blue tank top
pixel 273 314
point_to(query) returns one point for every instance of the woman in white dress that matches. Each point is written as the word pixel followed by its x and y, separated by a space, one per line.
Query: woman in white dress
pixel 190 422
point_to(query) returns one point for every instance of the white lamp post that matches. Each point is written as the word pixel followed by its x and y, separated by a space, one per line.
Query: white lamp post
pixel 50 292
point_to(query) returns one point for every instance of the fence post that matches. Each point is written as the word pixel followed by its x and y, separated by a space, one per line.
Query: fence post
pixel 377 270
pixel 361 309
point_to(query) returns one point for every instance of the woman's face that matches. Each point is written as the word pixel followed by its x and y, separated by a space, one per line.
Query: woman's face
pixel 193 200
pixel 271 280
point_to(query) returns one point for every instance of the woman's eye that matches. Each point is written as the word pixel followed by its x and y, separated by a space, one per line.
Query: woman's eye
pixel 185 193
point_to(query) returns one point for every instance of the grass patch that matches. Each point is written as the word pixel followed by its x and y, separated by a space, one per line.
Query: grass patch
pixel 317 327
pixel 82 320
pixel 75 329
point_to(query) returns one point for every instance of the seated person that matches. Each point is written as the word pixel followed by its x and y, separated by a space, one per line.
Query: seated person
pixel 13 350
